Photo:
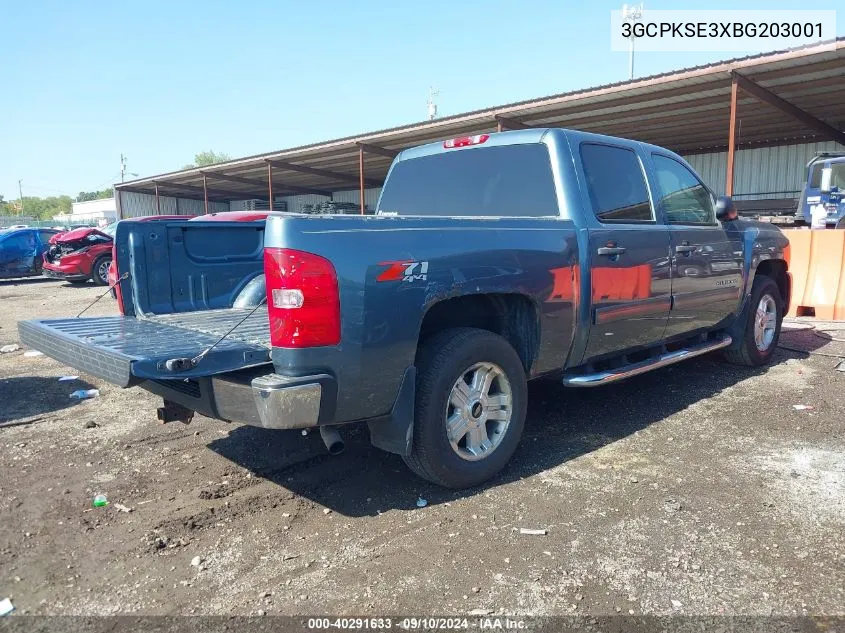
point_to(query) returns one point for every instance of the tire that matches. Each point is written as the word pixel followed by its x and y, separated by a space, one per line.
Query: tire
pixel 100 270
pixel 745 350
pixel 443 360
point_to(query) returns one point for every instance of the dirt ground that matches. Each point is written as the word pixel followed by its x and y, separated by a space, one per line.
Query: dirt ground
pixel 698 489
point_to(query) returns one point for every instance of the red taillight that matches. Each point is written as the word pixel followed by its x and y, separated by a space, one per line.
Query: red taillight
pixel 465 141
pixel 302 299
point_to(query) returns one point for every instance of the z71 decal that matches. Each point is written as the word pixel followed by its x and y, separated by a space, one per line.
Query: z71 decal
pixel 403 271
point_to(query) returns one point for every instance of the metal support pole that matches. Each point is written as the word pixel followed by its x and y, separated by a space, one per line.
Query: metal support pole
pixel 361 177
pixel 158 200
pixel 270 184
pixel 204 194
pixel 729 179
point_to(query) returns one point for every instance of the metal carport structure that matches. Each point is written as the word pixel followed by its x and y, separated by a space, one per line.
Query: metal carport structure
pixel 772 99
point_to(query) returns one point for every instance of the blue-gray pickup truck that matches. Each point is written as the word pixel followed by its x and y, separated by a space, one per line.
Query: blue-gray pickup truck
pixel 491 260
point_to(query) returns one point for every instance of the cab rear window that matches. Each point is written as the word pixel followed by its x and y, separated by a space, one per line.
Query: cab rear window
pixel 499 181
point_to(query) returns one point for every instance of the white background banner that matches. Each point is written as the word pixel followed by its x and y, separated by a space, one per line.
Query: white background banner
pixel 720 30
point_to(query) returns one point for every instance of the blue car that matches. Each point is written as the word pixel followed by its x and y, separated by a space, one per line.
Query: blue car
pixel 22 251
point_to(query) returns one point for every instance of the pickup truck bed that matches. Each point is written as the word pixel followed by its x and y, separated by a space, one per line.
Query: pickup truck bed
pixel 255 330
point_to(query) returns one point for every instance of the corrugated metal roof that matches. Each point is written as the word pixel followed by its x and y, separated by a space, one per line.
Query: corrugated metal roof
pixel 685 110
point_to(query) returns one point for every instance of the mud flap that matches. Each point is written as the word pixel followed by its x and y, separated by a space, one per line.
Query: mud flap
pixel 737 328
pixel 394 432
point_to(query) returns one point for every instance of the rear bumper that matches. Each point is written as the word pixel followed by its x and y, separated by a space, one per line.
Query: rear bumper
pixel 235 382
pixel 252 397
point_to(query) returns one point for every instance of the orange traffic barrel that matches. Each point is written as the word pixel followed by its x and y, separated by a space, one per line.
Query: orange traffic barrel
pixel 817 265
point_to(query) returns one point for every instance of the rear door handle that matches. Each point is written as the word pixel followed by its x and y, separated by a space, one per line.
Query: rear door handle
pixel 611 250
pixel 685 248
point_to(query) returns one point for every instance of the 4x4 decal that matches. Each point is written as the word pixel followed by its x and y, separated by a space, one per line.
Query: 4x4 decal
pixel 403 271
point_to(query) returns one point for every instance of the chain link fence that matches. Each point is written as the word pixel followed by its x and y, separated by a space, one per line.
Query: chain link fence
pixel 7 221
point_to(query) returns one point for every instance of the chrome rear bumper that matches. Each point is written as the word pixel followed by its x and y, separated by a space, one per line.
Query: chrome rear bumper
pixel 272 401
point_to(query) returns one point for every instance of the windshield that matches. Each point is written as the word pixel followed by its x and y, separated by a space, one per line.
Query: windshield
pixel 837 177
pixel 110 229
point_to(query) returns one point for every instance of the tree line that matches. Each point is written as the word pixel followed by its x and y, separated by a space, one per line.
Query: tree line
pixel 46 208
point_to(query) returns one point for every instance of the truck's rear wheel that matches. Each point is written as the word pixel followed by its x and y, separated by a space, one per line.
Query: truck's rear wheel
pixel 470 407
pixel 760 322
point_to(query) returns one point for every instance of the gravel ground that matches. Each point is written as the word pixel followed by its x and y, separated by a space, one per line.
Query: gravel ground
pixel 697 489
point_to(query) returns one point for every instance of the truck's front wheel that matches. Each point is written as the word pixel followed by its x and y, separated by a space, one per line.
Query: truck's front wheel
pixel 470 407
pixel 755 343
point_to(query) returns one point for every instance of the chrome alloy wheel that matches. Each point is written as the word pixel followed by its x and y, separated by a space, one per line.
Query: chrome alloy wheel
pixel 765 323
pixel 479 411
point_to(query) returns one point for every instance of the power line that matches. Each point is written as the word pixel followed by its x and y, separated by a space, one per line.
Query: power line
pixel 110 181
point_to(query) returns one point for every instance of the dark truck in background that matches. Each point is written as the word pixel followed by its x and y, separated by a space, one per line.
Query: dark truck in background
pixel 492 260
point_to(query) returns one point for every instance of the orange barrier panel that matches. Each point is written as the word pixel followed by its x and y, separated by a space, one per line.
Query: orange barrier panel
pixel 817 265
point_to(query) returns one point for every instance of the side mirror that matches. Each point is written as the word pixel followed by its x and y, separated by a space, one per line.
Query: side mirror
pixel 725 210
pixel 827 176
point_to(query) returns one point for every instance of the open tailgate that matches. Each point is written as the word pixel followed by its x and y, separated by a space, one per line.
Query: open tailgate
pixel 126 350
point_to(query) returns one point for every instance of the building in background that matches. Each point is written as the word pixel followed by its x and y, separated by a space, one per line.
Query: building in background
pixel 92 212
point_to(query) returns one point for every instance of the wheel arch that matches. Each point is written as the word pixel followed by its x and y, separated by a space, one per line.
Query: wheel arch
pixel 777 270
pixel 513 316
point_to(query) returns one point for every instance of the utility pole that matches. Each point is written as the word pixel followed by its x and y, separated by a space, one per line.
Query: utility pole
pixel 20 191
pixel 432 105
pixel 632 13
pixel 123 171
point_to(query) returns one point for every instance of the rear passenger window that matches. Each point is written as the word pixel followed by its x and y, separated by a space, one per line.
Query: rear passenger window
pixel 683 198
pixel 616 184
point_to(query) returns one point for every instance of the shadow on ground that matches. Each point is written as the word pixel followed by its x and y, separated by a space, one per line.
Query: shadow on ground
pixel 562 424
pixel 26 281
pixel 27 396
pixel 804 339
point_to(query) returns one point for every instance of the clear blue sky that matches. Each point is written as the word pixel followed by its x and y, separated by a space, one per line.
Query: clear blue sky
pixel 160 80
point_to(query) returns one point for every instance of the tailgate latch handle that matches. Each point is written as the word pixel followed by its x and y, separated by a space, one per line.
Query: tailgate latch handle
pixel 181 364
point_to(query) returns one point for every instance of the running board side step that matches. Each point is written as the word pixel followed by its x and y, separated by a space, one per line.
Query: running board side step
pixel 635 369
